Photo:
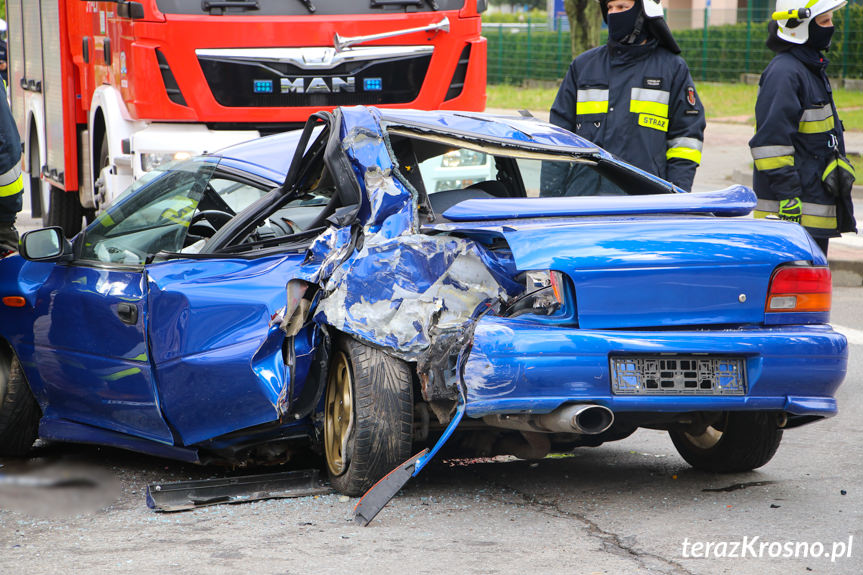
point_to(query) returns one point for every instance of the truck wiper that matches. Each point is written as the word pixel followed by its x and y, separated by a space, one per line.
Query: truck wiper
pixel 384 3
pixel 309 6
pixel 210 5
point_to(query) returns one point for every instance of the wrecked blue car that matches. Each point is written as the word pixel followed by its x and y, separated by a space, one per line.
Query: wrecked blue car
pixel 382 280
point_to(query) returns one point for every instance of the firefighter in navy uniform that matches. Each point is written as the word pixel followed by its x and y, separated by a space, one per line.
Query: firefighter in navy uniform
pixel 633 97
pixel 798 145
pixel 11 181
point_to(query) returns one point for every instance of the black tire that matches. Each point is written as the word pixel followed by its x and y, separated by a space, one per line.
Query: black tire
pixel 381 400
pixel 740 441
pixel 66 211
pixel 19 412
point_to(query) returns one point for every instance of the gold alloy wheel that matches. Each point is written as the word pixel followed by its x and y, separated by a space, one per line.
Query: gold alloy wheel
pixel 338 413
pixel 709 438
pixel 706 440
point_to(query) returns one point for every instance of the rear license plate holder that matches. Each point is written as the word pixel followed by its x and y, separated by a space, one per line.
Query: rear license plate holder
pixel 678 375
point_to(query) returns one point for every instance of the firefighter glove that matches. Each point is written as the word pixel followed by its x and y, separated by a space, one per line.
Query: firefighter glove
pixel 791 210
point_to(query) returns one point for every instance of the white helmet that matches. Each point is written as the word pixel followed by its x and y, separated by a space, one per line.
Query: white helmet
pixel 793 17
pixel 2 25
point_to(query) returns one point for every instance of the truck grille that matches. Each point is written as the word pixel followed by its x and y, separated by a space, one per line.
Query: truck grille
pixel 238 83
pixel 678 375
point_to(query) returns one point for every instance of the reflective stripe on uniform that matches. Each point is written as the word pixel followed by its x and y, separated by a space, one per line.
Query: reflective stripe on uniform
pixel 838 162
pixel 11 182
pixel 817 120
pixel 685 148
pixel 814 215
pixel 647 101
pixel 592 101
pixel 772 157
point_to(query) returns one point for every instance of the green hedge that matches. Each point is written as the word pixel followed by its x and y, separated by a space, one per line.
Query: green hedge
pixel 729 51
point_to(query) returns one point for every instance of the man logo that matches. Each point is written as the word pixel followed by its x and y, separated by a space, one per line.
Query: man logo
pixel 318 85
pixel 690 96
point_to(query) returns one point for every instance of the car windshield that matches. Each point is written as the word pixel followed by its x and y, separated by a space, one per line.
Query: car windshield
pixel 172 209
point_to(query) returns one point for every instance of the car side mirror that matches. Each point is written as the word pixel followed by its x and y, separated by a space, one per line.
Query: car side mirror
pixel 45 245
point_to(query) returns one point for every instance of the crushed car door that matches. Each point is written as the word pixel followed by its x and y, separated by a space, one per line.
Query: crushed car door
pixel 221 356
pixel 91 328
pixel 219 360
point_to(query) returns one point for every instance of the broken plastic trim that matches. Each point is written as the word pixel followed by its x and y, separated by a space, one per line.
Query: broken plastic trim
pixel 184 495
pixel 376 498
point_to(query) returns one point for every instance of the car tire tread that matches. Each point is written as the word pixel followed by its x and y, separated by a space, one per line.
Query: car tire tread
pixel 749 440
pixel 19 412
pixel 383 417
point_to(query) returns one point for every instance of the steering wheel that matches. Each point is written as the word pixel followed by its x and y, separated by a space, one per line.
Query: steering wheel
pixel 204 224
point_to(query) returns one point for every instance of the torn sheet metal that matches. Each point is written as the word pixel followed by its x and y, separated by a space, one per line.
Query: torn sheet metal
pixel 385 283
pixel 185 495
pixel 399 292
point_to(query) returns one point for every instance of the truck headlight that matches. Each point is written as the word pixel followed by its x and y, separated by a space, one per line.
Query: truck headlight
pixel 151 161
pixel 459 158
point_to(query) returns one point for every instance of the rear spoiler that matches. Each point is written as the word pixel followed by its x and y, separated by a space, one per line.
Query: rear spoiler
pixel 733 201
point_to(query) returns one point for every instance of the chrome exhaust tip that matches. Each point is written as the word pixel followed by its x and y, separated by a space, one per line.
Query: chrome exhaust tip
pixel 587 419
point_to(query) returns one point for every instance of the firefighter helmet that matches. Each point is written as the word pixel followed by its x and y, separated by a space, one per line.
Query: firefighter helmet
pixel 794 16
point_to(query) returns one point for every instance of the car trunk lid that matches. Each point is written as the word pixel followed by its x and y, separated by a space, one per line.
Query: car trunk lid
pixel 654 270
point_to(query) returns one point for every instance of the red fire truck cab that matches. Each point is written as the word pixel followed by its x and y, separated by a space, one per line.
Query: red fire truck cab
pixel 103 92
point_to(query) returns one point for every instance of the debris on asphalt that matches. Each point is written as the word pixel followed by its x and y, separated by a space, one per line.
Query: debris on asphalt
pixel 185 495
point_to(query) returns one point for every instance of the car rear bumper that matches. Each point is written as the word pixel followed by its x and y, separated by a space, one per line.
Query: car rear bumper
pixel 522 366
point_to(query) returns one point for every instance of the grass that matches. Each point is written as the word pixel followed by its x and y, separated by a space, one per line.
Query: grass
pixel 730 102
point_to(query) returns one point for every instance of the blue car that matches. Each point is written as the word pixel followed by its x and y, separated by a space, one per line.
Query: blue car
pixel 308 290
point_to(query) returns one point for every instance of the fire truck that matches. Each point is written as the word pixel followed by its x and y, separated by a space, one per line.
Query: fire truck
pixel 103 92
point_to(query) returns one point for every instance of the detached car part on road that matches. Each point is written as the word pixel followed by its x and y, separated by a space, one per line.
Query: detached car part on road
pixel 308 289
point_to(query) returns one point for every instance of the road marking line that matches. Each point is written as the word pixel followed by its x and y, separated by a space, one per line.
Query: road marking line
pixel 854 336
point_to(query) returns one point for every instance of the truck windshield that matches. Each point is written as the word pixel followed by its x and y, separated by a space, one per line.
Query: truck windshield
pixel 303 7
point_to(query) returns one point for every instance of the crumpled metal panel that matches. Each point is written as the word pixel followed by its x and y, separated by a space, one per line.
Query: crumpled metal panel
pixel 398 288
pixel 400 292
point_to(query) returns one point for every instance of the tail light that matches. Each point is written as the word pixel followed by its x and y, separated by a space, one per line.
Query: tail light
pixel 800 289
pixel 544 294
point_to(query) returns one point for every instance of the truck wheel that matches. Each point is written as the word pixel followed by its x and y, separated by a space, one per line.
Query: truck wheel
pixel 66 211
pixel 19 412
pixel 368 416
pixel 740 441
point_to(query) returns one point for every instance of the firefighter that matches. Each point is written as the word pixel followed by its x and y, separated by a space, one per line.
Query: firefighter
pixel 11 181
pixel 634 97
pixel 798 146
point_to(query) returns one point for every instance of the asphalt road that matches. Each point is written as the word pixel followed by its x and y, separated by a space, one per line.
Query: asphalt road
pixel 632 506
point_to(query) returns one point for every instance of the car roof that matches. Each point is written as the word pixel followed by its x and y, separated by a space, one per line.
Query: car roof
pixel 271 156
pixel 513 130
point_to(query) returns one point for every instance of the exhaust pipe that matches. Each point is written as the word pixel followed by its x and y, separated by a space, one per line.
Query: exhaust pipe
pixel 580 418
pixel 583 418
